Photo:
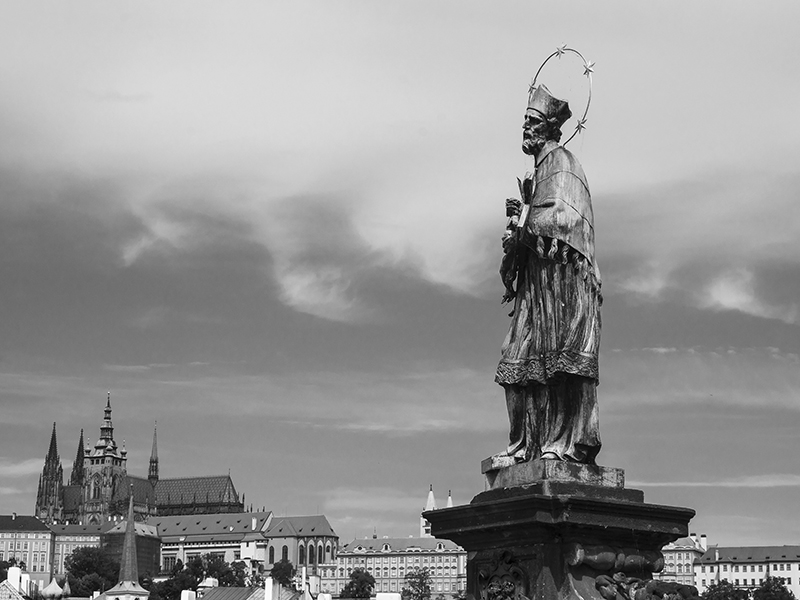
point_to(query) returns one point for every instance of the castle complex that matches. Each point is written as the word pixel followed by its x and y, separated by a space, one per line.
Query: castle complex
pixel 100 486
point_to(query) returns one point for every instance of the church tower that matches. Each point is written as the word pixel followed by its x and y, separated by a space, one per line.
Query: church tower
pixel 152 474
pixel 78 473
pixel 50 496
pixel 105 473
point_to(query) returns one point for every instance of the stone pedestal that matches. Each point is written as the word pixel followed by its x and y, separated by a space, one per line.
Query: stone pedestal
pixel 553 530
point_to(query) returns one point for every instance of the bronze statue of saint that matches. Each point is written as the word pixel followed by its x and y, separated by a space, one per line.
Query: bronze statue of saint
pixel 549 357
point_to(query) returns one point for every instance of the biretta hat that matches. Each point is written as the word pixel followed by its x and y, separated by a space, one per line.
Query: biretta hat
pixel 550 107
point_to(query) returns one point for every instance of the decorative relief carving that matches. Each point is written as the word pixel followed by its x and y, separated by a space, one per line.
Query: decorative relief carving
pixel 619 586
pixel 606 558
pixel 504 579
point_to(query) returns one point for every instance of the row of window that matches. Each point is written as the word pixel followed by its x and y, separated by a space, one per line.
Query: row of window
pixel 788 581
pixel 24 546
pixel 42 536
pixel 735 568
pixel 401 559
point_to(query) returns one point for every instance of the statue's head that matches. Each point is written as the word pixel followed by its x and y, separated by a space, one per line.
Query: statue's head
pixel 543 119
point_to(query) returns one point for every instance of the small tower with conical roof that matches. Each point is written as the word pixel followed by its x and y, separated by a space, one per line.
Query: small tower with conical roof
pixel 424 525
pixel 50 495
pixel 152 474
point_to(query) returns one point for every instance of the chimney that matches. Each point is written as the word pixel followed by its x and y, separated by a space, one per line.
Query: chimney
pixel 703 542
pixel 13 516
pixel 14 574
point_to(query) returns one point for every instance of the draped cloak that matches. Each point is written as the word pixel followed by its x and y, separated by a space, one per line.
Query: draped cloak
pixel 550 353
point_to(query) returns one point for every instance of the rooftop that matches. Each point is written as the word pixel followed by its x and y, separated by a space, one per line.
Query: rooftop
pixel 409 544
pixel 21 523
pixel 751 554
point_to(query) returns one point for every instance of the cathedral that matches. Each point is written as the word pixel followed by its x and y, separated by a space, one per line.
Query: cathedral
pixel 99 485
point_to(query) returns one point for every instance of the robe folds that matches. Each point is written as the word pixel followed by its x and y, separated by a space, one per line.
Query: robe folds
pixel 549 364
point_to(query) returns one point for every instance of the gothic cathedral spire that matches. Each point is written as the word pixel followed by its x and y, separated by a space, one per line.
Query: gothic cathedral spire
pixel 77 475
pixel 152 474
pixel 49 498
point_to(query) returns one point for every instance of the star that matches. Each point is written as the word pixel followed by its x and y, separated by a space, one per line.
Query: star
pixel 581 125
pixel 588 68
pixel 560 50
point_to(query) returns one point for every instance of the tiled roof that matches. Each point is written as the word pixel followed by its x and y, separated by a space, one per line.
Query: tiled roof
pixel 398 544
pixel 184 490
pixel 143 491
pixel 218 527
pixel 234 593
pixel 7 591
pixel 21 523
pixel 315 525
pixel 76 529
pixel 142 529
pixel 751 554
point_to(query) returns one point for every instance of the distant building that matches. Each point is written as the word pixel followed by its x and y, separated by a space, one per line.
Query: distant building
pixel 257 538
pixel 389 559
pixel 68 538
pixel 679 559
pixel 28 540
pixel 99 485
pixel 148 546
pixel 747 566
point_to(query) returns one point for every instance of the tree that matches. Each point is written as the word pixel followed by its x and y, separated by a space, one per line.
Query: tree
pixel 89 569
pixel 360 585
pixel 283 572
pixel 417 585
pixel 724 590
pixel 773 588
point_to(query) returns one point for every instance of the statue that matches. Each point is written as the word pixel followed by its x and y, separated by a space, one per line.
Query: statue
pixel 549 357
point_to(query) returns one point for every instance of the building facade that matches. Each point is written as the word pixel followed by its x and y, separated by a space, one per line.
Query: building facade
pixel 679 559
pixel 746 567
pixel 68 538
pixel 389 559
pixel 100 485
pixel 257 538
pixel 29 541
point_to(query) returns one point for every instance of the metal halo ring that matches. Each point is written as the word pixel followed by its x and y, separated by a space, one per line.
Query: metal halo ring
pixel 587 70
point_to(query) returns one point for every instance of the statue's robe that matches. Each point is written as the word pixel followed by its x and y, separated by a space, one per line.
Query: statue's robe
pixel 549 357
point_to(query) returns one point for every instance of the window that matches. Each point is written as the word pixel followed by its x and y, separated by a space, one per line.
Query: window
pixel 321 556
pixel 271 554
pixel 760 568
pixel 301 554
pixel 736 568
pixel 704 582
pixel 737 582
pixel 285 552
pixel 724 567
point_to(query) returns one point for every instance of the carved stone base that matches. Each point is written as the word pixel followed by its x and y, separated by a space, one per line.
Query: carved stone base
pixel 556 536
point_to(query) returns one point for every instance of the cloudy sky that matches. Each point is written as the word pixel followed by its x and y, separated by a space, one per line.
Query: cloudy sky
pixel 274 228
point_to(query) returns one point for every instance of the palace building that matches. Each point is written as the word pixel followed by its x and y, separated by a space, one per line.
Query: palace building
pixel 99 485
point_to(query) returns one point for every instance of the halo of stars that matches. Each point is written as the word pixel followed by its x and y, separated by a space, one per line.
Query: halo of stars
pixel 588 69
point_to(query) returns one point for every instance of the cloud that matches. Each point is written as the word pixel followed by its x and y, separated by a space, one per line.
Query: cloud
pixel 20 468
pixel 773 480
pixel 703 242
pixel 766 378
pixel 736 290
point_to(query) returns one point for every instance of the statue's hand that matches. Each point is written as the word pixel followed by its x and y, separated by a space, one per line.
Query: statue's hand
pixel 513 207
pixel 509 241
